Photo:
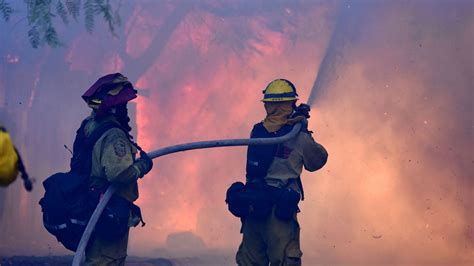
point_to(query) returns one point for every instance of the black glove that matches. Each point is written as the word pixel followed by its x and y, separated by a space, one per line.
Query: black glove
pixel 144 164
pixel 28 184
pixel 302 110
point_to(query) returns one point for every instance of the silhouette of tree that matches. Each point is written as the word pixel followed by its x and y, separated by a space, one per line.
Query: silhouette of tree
pixel 40 15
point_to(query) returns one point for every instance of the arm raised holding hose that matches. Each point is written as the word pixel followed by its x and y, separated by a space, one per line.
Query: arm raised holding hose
pixel 267 204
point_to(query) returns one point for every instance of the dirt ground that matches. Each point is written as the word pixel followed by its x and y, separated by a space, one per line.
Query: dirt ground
pixel 131 261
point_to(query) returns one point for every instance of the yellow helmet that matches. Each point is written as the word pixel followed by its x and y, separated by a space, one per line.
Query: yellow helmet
pixel 280 90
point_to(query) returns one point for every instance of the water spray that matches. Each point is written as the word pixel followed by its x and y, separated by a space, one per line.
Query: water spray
pixel 332 56
pixel 165 151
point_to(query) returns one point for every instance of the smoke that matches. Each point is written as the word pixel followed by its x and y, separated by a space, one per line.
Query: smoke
pixel 214 68
pixel 392 105
pixel 396 110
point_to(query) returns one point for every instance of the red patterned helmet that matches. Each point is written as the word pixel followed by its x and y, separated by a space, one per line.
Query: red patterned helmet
pixel 109 91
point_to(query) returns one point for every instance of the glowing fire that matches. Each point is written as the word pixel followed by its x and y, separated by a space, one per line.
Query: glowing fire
pixel 396 119
pixel 204 89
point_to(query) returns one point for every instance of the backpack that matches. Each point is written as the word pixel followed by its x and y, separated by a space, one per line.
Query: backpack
pixel 68 201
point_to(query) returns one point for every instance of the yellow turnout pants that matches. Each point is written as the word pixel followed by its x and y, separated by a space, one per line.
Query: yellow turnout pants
pixel 102 252
pixel 269 241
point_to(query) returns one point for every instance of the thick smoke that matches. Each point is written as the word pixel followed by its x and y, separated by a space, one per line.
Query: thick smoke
pixel 394 109
pixel 397 115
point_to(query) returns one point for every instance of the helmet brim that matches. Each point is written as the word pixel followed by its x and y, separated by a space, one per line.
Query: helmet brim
pixel 280 99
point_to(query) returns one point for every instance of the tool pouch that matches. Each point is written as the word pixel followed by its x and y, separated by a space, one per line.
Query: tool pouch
pixel 287 204
pixel 251 199
pixel 238 206
pixel 113 223
pixel 115 220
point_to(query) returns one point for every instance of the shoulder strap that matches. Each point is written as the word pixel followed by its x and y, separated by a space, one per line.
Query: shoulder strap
pixel 78 143
pixel 98 132
pixel 259 158
pixel 81 161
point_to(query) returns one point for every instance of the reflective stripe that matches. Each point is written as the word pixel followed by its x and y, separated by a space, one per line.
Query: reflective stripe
pixel 279 95
pixel 75 221
pixel 64 226
pixel 55 227
pixel 254 163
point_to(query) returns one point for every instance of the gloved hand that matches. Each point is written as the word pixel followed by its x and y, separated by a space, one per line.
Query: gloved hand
pixel 144 164
pixel 302 110
pixel 28 184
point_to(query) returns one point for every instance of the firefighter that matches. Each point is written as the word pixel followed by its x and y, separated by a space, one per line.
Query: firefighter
pixel 11 162
pixel 113 160
pixel 272 235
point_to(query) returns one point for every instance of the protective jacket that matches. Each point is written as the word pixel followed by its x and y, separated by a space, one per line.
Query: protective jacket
pixel 288 159
pixel 112 159
pixel 292 156
pixel 112 155
pixel 8 159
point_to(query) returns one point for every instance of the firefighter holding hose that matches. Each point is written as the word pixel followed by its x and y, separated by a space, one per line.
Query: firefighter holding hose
pixel 267 204
pixel 113 161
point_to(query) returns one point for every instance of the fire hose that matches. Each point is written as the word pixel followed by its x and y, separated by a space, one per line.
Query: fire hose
pixel 168 150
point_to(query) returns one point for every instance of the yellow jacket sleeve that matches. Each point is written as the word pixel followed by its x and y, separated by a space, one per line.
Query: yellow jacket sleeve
pixel 315 155
pixel 8 159
pixel 116 156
